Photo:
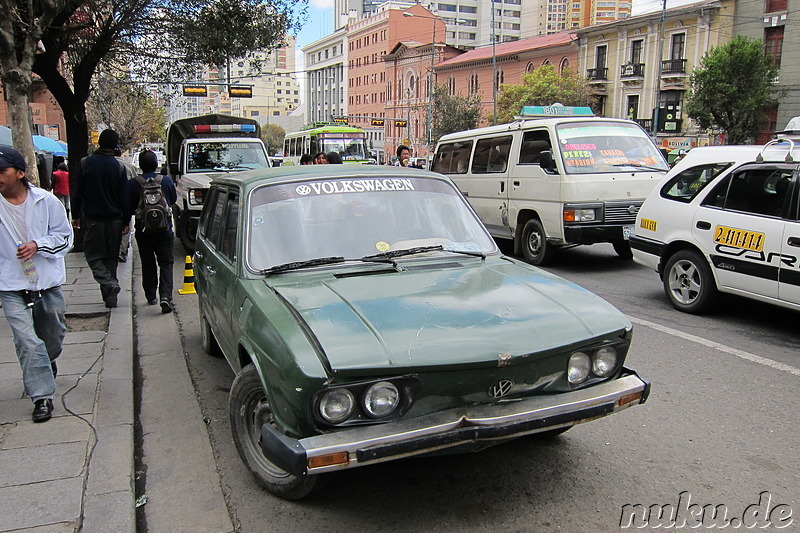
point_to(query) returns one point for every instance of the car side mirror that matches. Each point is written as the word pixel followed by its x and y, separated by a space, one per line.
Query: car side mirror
pixel 547 162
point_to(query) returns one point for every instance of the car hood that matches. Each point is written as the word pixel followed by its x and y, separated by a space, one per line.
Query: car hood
pixel 445 313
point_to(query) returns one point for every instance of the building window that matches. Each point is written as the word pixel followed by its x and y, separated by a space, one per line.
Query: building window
pixel 773 6
pixel 473 83
pixel 636 51
pixel 678 45
pixel 529 67
pixel 773 43
pixel 563 65
pixel 632 111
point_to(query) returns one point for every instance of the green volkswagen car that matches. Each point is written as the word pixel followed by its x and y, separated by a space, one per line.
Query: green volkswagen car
pixel 369 316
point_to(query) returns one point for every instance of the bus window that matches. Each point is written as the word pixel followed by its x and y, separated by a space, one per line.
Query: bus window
pixel 533 143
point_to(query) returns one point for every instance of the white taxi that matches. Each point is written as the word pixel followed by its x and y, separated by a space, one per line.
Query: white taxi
pixel 725 219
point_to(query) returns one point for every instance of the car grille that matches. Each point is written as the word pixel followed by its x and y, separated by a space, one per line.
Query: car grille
pixel 621 212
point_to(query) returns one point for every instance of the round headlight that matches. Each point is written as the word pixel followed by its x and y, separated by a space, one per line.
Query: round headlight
pixel 604 361
pixel 336 405
pixel 381 399
pixel 578 369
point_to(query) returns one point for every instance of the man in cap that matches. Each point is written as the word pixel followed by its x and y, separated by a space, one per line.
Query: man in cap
pixel 35 235
pixel 98 204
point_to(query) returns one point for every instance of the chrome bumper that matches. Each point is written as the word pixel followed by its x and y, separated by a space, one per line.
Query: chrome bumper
pixel 364 445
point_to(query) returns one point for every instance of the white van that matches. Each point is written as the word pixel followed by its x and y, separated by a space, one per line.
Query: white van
pixel 555 177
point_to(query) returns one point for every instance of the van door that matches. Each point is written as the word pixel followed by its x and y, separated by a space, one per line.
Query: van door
pixel 488 183
pixel 533 189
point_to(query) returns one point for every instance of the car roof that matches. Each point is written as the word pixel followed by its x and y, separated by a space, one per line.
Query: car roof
pixel 321 172
pixel 736 154
pixel 528 123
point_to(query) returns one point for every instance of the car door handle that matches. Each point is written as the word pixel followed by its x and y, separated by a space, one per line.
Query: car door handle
pixel 793 241
pixel 702 224
pixel 198 255
pixel 516 184
pixel 210 270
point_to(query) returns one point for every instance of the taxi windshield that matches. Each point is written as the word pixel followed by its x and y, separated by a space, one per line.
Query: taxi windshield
pixel 607 147
pixel 358 217
pixel 222 156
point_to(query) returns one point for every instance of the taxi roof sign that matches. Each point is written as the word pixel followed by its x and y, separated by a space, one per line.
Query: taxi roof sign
pixel 555 110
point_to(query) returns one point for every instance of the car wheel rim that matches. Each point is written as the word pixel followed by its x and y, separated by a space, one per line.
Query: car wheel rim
pixel 685 282
pixel 535 243
pixel 254 413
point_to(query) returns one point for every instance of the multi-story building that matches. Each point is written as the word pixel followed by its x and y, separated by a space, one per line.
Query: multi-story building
pixel 472 72
pixel 326 77
pixel 46 116
pixel 639 65
pixel 768 21
pixel 368 40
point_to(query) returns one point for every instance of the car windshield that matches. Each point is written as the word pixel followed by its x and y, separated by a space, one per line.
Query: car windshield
pixel 604 147
pixel 221 156
pixel 357 217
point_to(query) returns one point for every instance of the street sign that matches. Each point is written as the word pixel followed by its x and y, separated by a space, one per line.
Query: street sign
pixel 195 90
pixel 240 91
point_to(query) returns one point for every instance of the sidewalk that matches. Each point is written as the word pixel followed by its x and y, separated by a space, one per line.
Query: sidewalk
pixel 74 472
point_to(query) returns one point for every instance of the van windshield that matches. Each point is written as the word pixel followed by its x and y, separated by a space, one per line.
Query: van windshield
pixel 603 147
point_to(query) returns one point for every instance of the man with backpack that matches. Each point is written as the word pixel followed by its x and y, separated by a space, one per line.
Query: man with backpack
pixel 150 198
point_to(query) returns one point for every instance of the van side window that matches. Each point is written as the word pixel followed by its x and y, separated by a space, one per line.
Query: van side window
pixel 453 158
pixel 533 144
pixel 491 155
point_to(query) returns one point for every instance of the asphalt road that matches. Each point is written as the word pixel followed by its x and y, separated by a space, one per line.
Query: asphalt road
pixel 720 428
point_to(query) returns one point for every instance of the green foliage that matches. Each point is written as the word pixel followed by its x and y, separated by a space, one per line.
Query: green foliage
pixel 732 88
pixel 128 109
pixel 453 113
pixel 272 135
pixel 543 86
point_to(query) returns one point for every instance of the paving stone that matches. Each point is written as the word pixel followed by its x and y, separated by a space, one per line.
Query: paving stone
pixel 57 429
pixel 41 504
pixel 113 512
pixel 111 465
pixel 35 464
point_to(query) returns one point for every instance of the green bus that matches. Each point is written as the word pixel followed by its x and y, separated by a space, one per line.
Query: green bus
pixel 347 141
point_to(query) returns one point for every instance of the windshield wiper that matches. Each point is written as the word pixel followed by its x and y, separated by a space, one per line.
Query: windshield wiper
pixel 639 165
pixel 277 269
pixel 387 256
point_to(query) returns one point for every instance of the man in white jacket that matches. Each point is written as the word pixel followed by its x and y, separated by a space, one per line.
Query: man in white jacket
pixel 35 235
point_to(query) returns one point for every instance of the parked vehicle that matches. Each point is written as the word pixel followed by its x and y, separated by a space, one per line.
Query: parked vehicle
pixel 369 316
pixel 557 176
pixel 200 148
pixel 725 219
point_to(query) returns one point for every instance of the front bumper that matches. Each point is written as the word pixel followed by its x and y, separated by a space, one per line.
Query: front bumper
pixel 485 423
pixel 594 234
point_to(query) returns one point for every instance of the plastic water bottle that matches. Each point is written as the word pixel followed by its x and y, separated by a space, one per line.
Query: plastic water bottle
pixel 29 269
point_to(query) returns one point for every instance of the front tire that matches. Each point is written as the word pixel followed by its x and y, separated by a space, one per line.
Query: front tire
pixel 689 283
pixel 249 409
pixel 535 248
pixel 187 230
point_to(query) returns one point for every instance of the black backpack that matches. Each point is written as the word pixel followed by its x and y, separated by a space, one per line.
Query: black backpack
pixel 153 213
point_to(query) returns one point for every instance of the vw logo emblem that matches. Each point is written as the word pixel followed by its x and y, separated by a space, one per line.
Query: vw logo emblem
pixel 303 190
pixel 632 209
pixel 501 388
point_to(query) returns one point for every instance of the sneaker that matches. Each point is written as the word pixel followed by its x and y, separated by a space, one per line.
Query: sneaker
pixel 166 305
pixel 151 298
pixel 111 299
pixel 42 410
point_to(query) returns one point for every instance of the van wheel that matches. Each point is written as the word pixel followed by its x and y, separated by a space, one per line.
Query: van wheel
pixel 623 249
pixel 689 283
pixel 249 409
pixel 535 248
pixel 185 226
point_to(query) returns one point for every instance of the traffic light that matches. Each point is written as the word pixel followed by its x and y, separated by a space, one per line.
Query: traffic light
pixel 240 91
pixel 400 123
pixel 340 120
pixel 377 122
pixel 195 90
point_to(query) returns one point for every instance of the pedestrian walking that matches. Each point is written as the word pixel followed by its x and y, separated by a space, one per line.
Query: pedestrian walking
pixel 403 154
pixel 61 185
pixel 98 205
pixel 153 230
pixel 34 238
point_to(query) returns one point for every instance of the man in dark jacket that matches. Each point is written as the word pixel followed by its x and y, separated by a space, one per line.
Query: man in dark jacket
pixel 154 246
pixel 98 204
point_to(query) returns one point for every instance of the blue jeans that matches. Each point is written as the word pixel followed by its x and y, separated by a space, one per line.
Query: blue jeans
pixel 38 335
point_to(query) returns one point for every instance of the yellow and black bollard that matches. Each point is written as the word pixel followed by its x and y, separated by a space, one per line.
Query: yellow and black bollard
pixel 188 278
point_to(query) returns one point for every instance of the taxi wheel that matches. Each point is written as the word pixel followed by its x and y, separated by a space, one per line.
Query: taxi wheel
pixel 689 283
pixel 535 248
pixel 210 344
pixel 249 409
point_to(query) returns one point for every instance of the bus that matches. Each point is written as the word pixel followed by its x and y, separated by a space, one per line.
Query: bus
pixel 348 141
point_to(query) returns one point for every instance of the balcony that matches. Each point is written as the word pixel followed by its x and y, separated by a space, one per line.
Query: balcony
pixel 645 123
pixel 597 74
pixel 673 66
pixel 632 70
